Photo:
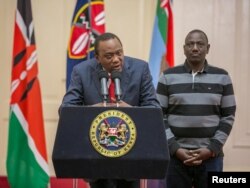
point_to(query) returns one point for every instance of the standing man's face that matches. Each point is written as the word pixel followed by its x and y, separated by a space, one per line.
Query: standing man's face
pixel 196 47
pixel 110 55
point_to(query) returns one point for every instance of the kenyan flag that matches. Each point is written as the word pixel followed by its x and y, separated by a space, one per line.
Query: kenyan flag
pixel 162 45
pixel 26 158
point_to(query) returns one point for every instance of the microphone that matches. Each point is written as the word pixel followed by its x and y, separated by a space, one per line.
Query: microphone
pixel 103 77
pixel 116 77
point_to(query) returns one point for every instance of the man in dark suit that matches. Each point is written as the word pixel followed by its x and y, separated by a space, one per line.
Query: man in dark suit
pixel 136 85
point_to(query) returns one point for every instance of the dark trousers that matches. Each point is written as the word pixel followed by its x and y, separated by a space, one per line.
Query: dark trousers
pixel 113 183
pixel 183 176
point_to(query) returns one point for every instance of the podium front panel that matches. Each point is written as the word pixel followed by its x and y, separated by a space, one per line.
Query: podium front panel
pixel 75 157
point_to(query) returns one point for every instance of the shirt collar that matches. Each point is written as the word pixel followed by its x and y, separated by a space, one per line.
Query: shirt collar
pixel 189 70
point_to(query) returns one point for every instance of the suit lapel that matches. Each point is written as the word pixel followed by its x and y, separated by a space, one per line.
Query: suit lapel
pixel 95 77
pixel 125 78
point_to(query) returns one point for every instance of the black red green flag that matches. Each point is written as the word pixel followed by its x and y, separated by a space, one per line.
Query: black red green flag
pixel 26 163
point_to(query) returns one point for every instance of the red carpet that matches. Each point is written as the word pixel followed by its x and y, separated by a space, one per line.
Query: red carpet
pixel 54 183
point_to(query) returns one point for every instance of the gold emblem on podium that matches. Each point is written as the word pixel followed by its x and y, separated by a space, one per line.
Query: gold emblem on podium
pixel 112 133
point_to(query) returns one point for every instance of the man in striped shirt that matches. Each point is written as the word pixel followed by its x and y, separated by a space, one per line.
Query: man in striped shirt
pixel 199 107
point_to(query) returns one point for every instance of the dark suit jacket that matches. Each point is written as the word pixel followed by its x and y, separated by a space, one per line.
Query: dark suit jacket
pixel 136 84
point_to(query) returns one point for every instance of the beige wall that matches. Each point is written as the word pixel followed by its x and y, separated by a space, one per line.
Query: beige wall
pixel 226 23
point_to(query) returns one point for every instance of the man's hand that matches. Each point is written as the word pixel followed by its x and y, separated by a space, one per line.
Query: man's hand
pixel 193 157
pixel 183 154
pixel 101 104
pixel 123 104
pixel 118 104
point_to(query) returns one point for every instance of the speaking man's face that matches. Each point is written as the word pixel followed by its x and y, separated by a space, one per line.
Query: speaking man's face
pixel 110 55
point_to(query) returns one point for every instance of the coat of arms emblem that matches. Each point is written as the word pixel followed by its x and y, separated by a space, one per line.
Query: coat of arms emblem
pixel 112 133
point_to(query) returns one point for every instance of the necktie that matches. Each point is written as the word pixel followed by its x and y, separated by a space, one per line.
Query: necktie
pixel 112 91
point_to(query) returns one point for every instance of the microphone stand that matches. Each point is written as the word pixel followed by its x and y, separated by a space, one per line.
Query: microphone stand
pixel 105 103
pixel 116 77
pixel 118 99
pixel 105 99
pixel 103 76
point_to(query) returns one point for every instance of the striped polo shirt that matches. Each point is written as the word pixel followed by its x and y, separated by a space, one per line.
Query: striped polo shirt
pixel 199 109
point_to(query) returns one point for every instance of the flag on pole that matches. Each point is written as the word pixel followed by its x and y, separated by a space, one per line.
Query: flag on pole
pixel 26 156
pixel 162 45
pixel 88 22
pixel 161 53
